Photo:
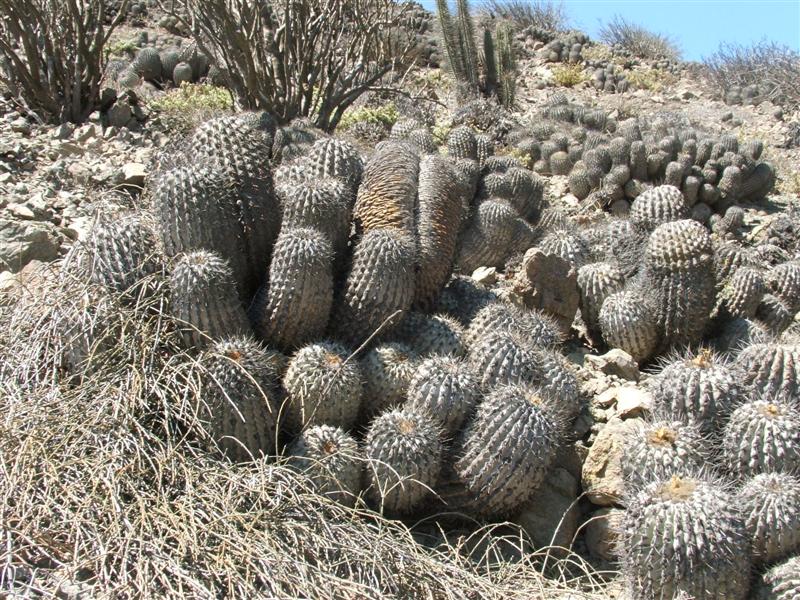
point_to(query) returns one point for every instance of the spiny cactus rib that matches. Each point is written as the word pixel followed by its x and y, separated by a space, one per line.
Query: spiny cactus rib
pixel 204 300
pixel 771 504
pixel 628 322
pixel 445 388
pixel 294 307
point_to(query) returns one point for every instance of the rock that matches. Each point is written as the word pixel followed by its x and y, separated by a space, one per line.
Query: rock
pixel 726 116
pixel 549 283
pixel 614 362
pixel 69 149
pixel 21 125
pixel 633 401
pixel 551 516
pixel 85 133
pixel 21 211
pixel 485 275
pixel 602 469
pixel 133 174
pixel 778 114
pixel 686 95
pixel 63 131
pixel 24 241
pixel 5 177
pixel 119 115
pixel 601 533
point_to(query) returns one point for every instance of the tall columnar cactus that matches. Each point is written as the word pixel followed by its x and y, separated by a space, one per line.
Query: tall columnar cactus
pixel 321 203
pixel 679 273
pixel 508 447
pixel 489 63
pixel 333 461
pixel 322 387
pixel 432 335
pixel 379 287
pixel 506 64
pixel 486 240
pixel 697 387
pixel 388 191
pixel 445 387
pixel 596 282
pixel 628 322
pixel 294 306
pixel 535 325
pixel 660 449
pixel 439 218
pixel 388 369
pixel 404 458
pixel 771 504
pixel 761 437
pixel 204 301
pixel 684 535
pixel 123 251
pixel 772 370
pixel 658 205
pixel 238 409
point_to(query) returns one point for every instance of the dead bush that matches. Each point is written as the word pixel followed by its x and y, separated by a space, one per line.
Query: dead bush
pixel 639 41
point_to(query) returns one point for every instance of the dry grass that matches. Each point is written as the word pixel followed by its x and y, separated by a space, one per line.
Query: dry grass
pixel 109 486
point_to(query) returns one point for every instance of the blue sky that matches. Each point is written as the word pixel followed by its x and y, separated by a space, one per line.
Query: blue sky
pixel 698 26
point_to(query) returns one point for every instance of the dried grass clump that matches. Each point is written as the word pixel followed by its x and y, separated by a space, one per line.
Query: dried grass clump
pixel 107 489
pixel 546 15
pixel 639 41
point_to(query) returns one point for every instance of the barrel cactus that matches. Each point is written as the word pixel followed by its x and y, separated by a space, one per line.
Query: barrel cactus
pixel 628 322
pixel 388 369
pixel 771 504
pixel 446 388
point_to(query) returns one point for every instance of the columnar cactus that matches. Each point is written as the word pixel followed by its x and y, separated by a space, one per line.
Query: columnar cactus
pixel 445 387
pixel 332 460
pixel 486 240
pixel 628 322
pixel 761 437
pixel 379 285
pixel 461 143
pixel 697 387
pixel 772 370
pixel 432 334
pixel 439 216
pixel 658 205
pixel 771 504
pixel 597 281
pixel 294 307
pixel 404 453
pixel 203 299
pixel 508 447
pixel 388 369
pixel 123 251
pixel 321 203
pixel 388 191
pixel 660 449
pixel 322 387
pixel 238 410
pixel 684 535
pixel 679 272
pixel 535 325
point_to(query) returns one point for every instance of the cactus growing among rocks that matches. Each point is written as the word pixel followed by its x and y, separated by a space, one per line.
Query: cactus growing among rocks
pixel 322 387
pixel 679 272
pixel 203 299
pixel 294 307
pixel 698 387
pixel 446 388
pixel 463 297
pixel 597 281
pixel 762 436
pixel 508 447
pixel 333 461
pixel 569 245
pixel 533 324
pixel 238 408
pixel 627 321
pixel 147 64
pixel 404 453
pixel 338 159
pixel 658 205
pixel 706 556
pixel 771 504
pixel 784 281
pixel 461 143
pixel 660 449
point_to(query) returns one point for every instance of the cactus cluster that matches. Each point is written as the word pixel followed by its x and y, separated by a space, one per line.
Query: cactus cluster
pixel 170 65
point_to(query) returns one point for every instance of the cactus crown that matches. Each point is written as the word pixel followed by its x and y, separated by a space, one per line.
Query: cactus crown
pixel 677 489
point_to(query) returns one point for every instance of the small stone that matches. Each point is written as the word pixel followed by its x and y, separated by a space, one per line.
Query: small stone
pixel 85 133
pixel 63 131
pixel 21 125
pixel 133 174
pixel 601 533
pixel 602 470
pixel 614 362
pixel 485 275
pixel 5 177
pixel 21 211
pixel 633 401
pixel 686 95
pixel 736 123
pixel 24 241
pixel 119 115
pixel 777 114
pixel 70 149
pixel 726 116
